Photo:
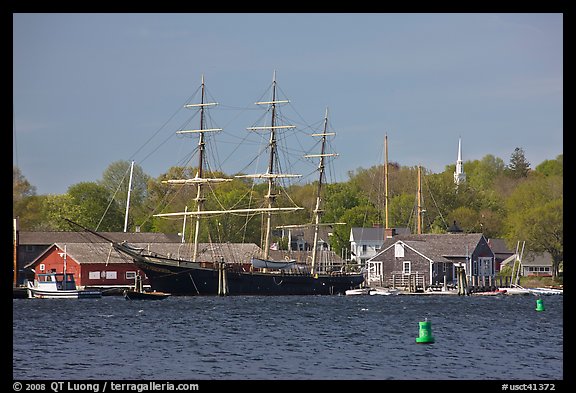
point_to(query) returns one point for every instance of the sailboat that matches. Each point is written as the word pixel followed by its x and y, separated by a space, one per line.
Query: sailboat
pixel 265 276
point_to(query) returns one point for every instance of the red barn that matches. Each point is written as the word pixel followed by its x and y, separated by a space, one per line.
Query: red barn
pixel 93 264
pixel 98 265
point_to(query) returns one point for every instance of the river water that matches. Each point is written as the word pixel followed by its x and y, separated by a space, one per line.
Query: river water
pixel 289 338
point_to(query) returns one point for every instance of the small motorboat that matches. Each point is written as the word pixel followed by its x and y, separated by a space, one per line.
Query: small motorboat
pixel 546 291
pixel 59 286
pixel 517 290
pixel 137 295
pixel 358 291
pixel 384 291
pixel 490 293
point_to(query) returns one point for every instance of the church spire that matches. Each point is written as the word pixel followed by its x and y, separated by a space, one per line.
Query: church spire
pixel 459 175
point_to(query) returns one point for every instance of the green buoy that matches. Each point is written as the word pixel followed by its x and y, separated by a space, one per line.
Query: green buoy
pixel 539 305
pixel 425 333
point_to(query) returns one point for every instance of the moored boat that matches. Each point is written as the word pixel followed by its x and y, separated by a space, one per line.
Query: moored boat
pixel 59 286
pixel 358 291
pixel 384 291
pixel 194 276
pixel 130 294
pixel 546 291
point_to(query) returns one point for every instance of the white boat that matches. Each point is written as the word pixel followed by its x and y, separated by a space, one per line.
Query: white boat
pixel 269 264
pixel 358 291
pixel 384 291
pixel 59 286
pixel 517 290
pixel 373 291
pixel 546 291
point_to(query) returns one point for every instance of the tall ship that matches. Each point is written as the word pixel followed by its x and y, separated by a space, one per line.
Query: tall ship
pixel 262 274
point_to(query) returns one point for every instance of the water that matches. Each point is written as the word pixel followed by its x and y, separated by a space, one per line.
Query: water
pixel 292 337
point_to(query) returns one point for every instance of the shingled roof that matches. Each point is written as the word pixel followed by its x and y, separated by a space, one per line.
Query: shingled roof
pixel 208 252
pixel 51 237
pixel 370 234
pixel 437 247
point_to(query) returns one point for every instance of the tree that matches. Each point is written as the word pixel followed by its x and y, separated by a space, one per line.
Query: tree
pixel 551 167
pixel 88 204
pixel 535 214
pixel 518 166
pixel 116 179
pixel 21 189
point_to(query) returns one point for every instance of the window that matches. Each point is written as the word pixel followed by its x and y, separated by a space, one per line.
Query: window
pixel 484 266
pixel 399 250
pixel 93 275
pixel 111 275
pixel 364 248
pixel 130 275
pixel 42 267
pixel 406 267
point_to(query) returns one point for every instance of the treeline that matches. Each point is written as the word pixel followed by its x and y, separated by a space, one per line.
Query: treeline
pixel 510 201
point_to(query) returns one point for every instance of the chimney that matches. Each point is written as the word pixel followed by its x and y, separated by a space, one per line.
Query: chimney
pixel 389 233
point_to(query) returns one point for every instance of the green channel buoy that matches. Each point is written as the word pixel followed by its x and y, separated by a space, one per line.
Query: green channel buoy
pixel 425 333
pixel 539 305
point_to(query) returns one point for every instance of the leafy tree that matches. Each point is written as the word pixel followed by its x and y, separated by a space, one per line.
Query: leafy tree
pixel 357 216
pixel 57 207
pixel 90 205
pixel 535 214
pixel 21 189
pixel 116 179
pixel 32 214
pixel 466 218
pixel 481 173
pixel 551 167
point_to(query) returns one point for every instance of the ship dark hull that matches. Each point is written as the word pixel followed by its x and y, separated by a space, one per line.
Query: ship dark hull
pixel 194 281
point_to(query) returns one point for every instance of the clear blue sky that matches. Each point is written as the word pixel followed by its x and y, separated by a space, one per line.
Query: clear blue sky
pixel 91 89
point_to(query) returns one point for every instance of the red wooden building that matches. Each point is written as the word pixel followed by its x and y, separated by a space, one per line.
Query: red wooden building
pixel 93 264
pixel 99 265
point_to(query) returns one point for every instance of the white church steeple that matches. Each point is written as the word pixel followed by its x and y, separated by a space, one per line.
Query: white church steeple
pixel 459 175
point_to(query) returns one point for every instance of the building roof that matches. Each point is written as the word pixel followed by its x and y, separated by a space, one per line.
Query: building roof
pixel 498 246
pixel 306 256
pixel 437 247
pixel 105 253
pixel 373 234
pixel 537 259
pixel 307 233
pixel 51 237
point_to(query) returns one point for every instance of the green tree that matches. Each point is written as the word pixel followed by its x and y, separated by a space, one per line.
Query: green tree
pixel 518 166
pixel 21 190
pixel 551 167
pixel 535 214
pixel 90 205
pixel 357 216
pixel 57 207
pixel 116 179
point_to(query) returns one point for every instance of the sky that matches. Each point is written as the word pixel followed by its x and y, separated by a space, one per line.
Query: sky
pixel 90 89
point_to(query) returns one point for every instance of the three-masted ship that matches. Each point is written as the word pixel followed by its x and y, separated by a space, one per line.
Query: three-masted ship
pixel 265 276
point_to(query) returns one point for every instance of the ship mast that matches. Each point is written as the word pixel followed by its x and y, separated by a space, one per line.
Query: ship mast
pixel 419 225
pixel 271 196
pixel 386 181
pixel 318 211
pixel 270 175
pixel 199 179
